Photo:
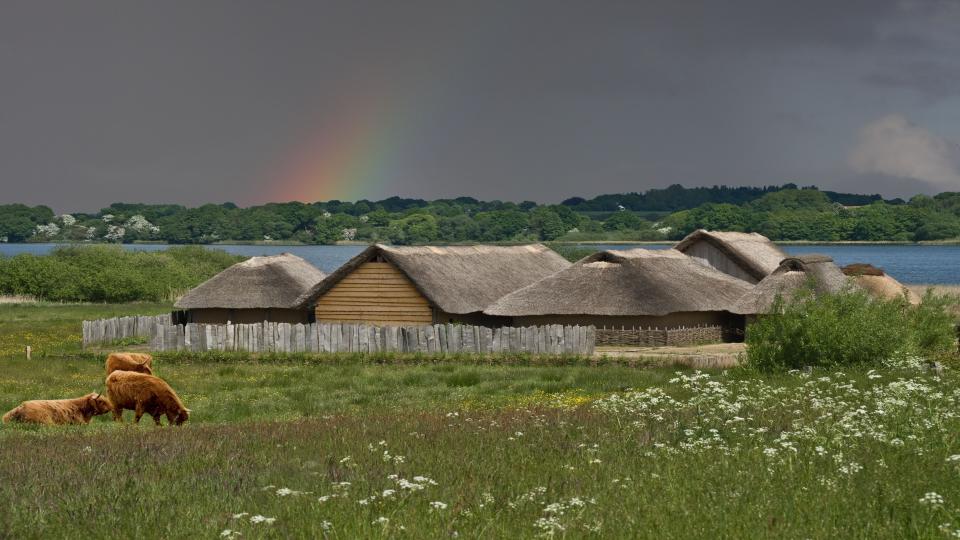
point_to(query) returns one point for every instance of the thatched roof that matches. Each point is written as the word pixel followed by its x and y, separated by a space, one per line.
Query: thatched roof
pixel 458 279
pixel 259 282
pixel 753 252
pixel 878 283
pixel 634 282
pixel 793 273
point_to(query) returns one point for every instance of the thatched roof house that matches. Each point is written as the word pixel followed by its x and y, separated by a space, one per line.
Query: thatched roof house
pixel 255 290
pixel 878 283
pixel 427 284
pixel 747 256
pixel 793 273
pixel 637 287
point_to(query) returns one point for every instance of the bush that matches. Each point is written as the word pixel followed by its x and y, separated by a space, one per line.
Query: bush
pixel 110 273
pixel 849 328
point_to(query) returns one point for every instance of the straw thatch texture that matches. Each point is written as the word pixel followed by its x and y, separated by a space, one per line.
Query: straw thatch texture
pixel 794 273
pixel 878 283
pixel 457 279
pixel 754 254
pixel 259 282
pixel 637 282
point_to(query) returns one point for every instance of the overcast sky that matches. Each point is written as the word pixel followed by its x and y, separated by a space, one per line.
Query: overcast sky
pixel 192 102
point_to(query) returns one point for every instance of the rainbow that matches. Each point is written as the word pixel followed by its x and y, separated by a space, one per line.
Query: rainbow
pixel 351 155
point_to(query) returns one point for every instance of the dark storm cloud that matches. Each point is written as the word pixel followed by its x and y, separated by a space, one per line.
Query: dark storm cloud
pixel 193 102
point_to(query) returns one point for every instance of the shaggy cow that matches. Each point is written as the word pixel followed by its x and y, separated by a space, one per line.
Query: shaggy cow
pixel 144 394
pixel 139 362
pixel 59 411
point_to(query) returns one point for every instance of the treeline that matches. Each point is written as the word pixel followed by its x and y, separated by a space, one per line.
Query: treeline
pixel 781 213
pixel 810 215
pixel 110 273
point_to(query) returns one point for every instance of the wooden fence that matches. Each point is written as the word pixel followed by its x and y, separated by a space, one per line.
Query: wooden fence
pixel 352 337
pixel 107 330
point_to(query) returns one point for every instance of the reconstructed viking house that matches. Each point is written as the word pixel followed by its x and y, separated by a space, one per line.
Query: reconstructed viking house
pixel 632 288
pixel 793 274
pixel 878 283
pixel 747 256
pixel 427 285
pixel 256 290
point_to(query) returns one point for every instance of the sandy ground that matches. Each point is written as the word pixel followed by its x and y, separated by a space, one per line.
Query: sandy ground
pixel 17 299
pixel 718 355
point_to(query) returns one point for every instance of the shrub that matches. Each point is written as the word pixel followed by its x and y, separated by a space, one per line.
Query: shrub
pixel 848 328
pixel 110 273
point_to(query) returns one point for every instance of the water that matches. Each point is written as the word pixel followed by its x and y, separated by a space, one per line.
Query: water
pixel 937 264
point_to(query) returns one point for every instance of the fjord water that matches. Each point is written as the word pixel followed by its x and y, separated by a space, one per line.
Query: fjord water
pixel 909 263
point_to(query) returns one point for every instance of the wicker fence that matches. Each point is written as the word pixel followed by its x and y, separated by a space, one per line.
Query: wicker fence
pixel 659 337
pixel 346 337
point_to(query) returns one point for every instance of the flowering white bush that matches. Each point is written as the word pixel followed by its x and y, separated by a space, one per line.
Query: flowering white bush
pixel 68 220
pixel 140 224
pixel 115 233
pixel 47 231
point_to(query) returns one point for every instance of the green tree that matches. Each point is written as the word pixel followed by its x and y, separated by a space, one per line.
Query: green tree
pixel 622 221
pixel 414 229
pixel 548 225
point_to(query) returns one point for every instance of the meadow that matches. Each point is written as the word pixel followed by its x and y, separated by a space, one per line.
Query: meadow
pixel 346 447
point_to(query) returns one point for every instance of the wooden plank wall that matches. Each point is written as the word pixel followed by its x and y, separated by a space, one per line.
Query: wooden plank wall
pixel 709 255
pixel 376 292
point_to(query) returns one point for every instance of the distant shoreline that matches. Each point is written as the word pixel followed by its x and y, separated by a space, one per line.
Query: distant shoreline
pixel 560 242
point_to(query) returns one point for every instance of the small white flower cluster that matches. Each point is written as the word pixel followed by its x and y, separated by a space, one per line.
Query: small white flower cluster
pixel 932 498
pixel 559 516
pixel 348 234
pixel 287 492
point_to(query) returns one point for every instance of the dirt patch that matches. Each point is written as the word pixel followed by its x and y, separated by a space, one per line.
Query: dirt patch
pixel 719 355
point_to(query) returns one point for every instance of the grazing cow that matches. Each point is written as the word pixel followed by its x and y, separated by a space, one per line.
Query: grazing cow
pixel 144 394
pixel 59 411
pixel 139 362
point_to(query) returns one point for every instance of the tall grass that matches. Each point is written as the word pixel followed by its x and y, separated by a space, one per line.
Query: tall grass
pixel 861 455
pixel 849 328
pixel 110 273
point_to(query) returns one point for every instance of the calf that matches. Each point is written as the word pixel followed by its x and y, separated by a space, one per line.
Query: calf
pixel 144 394
pixel 139 362
pixel 59 411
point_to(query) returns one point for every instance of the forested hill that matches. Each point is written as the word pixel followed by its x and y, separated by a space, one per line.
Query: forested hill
pixel 779 212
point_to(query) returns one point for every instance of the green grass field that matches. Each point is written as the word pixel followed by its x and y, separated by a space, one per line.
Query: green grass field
pixel 348 448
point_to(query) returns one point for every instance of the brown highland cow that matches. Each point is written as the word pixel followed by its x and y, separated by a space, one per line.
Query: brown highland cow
pixel 59 411
pixel 139 362
pixel 144 394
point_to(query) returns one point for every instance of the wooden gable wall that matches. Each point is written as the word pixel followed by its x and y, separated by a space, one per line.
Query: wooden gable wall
pixel 375 292
pixel 709 255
